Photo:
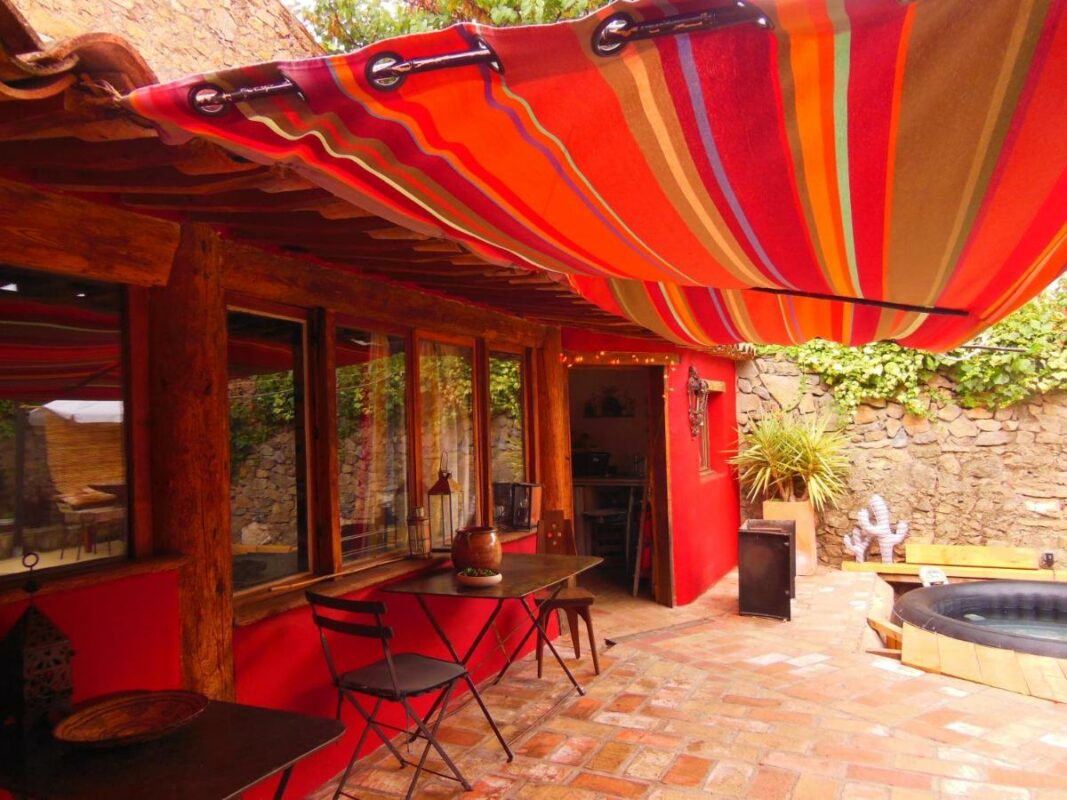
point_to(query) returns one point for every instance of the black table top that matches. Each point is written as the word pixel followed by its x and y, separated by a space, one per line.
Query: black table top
pixel 224 751
pixel 523 574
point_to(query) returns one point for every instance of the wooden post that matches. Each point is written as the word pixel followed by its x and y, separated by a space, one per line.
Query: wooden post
pixel 322 392
pixel 554 426
pixel 190 454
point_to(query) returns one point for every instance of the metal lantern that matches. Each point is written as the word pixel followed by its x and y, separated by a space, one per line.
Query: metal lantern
pixel 526 506
pixel 446 508
pixel 419 545
pixel 35 669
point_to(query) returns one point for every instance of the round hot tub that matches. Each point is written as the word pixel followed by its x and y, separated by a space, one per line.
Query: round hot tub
pixel 1024 616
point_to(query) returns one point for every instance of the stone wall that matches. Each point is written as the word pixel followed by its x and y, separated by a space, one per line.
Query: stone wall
pixel 180 37
pixel 965 476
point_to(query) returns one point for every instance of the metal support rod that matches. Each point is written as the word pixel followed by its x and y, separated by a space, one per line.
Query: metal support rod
pixel 863 301
pixel 388 70
pixel 211 100
pixel 619 30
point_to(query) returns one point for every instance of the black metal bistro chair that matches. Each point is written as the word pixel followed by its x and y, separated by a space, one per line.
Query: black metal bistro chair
pixel 395 678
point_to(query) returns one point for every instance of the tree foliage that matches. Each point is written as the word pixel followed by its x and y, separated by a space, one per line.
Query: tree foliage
pixel 1029 358
pixel 344 25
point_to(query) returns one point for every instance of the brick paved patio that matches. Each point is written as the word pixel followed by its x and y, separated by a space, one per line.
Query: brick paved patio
pixel 717 705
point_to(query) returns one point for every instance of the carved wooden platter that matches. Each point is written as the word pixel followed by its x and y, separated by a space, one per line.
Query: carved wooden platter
pixel 126 718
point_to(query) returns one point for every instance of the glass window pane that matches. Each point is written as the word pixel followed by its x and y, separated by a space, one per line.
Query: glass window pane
pixel 446 384
pixel 507 434
pixel 268 474
pixel 62 444
pixel 372 443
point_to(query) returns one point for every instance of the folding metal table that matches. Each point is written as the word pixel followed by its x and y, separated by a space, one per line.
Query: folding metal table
pixel 524 574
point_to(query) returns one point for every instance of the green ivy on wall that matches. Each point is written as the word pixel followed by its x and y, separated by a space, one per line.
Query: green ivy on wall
pixel 1029 358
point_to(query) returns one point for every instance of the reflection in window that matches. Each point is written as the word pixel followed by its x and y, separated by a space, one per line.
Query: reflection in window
pixel 447 425
pixel 62 446
pixel 371 443
pixel 506 420
pixel 268 474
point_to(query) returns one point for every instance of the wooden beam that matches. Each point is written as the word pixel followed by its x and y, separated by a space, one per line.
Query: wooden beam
pixel 195 158
pixel 553 425
pixel 280 279
pixel 69 235
pixel 190 456
pixel 325 491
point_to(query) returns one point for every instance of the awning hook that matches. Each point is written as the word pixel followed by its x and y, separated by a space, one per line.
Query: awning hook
pixel 387 71
pixel 618 30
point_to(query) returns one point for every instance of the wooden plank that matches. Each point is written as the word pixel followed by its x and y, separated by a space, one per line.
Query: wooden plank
pixel 72 236
pixel 987 573
pixel 958 658
pixel 964 555
pixel 890 634
pixel 1001 668
pixel 1043 677
pixel 190 457
pixel 919 649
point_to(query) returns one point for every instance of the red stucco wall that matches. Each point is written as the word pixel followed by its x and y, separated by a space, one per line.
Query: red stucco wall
pixel 124 632
pixel 704 506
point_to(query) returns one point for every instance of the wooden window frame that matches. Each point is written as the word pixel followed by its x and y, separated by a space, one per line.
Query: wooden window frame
pixel 320 326
pixel 313 401
pixel 133 330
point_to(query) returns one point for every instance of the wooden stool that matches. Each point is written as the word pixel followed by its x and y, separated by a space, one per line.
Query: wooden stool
pixel 555 536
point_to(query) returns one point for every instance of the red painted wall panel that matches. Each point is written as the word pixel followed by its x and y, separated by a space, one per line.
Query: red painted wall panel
pixel 124 632
pixel 704 506
pixel 279 663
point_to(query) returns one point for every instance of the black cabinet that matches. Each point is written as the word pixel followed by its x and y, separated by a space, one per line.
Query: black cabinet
pixel 767 567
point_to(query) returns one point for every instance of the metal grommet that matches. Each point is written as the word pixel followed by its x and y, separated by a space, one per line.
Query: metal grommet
pixel 496 65
pixel 382 63
pixel 29 561
pixel 200 97
pixel 604 43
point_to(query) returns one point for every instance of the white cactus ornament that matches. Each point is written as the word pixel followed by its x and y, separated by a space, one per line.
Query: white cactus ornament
pixel 880 530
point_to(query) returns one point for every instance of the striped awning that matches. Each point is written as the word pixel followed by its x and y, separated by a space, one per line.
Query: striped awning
pixel 854 170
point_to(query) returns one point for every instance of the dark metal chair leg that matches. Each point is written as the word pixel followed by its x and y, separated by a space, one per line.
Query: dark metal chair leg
pixel 431 741
pixel 359 746
pixel 541 629
pixel 283 783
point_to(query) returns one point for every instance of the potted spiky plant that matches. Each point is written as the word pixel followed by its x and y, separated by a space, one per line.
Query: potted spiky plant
pixel 798 468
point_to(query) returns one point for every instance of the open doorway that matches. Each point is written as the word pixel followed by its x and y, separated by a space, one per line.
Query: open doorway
pixel 618 434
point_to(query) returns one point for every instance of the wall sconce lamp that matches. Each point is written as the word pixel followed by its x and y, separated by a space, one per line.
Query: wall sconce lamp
pixel 699 389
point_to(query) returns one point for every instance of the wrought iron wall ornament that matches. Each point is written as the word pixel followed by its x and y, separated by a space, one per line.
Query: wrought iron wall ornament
pixel 698 402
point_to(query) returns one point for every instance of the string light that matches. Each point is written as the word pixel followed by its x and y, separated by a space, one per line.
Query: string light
pixel 617 359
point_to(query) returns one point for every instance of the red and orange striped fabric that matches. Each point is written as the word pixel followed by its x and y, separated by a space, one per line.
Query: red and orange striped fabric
pixel 875 150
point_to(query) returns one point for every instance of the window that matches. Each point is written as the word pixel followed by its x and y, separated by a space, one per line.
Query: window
pixel 507 420
pixel 372 442
pixel 62 438
pixel 268 474
pixel 446 385
pixel 705 447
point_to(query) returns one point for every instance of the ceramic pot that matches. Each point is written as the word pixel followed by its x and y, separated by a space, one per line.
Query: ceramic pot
pixel 476 547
